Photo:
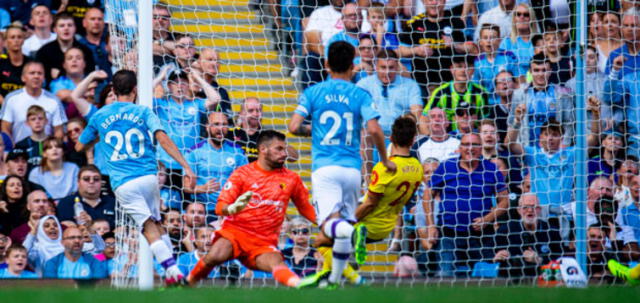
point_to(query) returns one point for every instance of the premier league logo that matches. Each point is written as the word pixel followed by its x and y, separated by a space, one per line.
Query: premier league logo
pixel 572 270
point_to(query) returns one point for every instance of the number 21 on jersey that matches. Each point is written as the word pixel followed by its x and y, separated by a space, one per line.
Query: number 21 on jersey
pixel 335 120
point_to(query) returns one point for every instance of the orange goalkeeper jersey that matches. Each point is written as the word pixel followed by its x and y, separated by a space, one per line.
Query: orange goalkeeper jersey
pixel 266 211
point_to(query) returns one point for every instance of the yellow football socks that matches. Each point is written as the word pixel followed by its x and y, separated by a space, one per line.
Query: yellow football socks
pixel 634 273
pixel 349 272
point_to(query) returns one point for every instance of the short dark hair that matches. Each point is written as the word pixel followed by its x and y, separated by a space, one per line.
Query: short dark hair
pixel 552 125
pixel 386 54
pixel 15 247
pixel 162 6
pixel 490 26
pixel 504 71
pixel 88 167
pixel 341 54
pixel 178 36
pixel 540 59
pixel 488 122
pixel 108 235
pixel 165 213
pixel 550 27
pixel 40 5
pixel 366 36
pixel 535 38
pixel 462 58
pixel 29 63
pixel 124 82
pixel 62 16
pixel 266 136
pixel 403 131
pixel 104 94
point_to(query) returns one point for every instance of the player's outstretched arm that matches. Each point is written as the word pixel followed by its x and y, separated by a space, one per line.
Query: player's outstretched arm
pixel 84 147
pixel 374 130
pixel 297 128
pixel 77 95
pixel 171 149
pixel 369 204
pixel 300 199
pixel 241 202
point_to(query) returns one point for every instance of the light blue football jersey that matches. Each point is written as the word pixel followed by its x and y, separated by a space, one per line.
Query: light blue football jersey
pixel 127 132
pixel 182 123
pixel 338 111
pixel 99 155
pixel 208 162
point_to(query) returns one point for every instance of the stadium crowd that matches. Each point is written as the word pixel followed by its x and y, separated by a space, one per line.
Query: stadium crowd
pixel 491 82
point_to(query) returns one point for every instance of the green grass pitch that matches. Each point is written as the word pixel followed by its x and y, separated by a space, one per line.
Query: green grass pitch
pixel 355 295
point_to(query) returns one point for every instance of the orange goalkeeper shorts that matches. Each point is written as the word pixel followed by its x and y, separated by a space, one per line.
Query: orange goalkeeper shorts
pixel 246 247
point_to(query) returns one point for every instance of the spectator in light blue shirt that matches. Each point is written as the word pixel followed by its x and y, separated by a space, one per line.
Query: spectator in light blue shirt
pixel 73 263
pixel 492 61
pixel 170 197
pixel 352 20
pixel 182 115
pixel 523 27
pixel 552 168
pixel 213 161
pixel 392 94
pixel 187 261
pixel 73 65
pixel 16 263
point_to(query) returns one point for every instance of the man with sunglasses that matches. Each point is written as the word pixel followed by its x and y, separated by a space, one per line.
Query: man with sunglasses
pixel 94 204
pixel 523 245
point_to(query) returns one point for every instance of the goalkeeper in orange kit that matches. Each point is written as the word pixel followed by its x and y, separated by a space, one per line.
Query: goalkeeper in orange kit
pixel 254 202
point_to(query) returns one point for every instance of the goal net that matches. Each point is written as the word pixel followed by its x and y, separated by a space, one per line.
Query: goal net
pixel 551 170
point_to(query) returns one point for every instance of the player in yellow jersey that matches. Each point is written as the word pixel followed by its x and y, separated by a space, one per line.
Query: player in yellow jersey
pixel 388 192
pixel 387 195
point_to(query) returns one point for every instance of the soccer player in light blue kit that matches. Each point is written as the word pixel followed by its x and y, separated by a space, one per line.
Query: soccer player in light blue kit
pixel 337 109
pixel 127 131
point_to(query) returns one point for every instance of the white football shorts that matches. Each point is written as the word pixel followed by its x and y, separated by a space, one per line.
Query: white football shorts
pixel 335 189
pixel 140 198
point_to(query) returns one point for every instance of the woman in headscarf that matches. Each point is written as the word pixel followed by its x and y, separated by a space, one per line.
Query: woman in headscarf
pixel 44 242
